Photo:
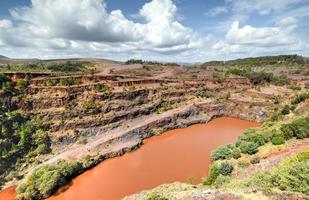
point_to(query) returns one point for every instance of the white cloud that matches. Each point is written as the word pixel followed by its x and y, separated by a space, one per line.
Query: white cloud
pixel 4 24
pixel 263 7
pixel 76 24
pixel 217 11
pixel 247 38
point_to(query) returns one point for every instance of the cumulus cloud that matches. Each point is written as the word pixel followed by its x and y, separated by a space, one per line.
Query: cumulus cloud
pixel 73 24
pixel 4 24
pixel 248 38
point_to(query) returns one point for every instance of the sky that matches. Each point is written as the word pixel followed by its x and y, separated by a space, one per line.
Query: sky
pixel 161 30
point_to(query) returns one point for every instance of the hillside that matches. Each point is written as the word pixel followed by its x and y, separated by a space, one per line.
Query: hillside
pixel 288 60
pixel 3 57
pixel 84 111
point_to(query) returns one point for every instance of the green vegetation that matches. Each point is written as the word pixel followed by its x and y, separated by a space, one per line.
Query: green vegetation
pixel 277 140
pixel 222 153
pixel 155 196
pixel 89 105
pixel 243 163
pixel 297 128
pixel 275 132
pixel 57 67
pixel 166 106
pixel 224 168
pixel 22 136
pixel 249 147
pixel 292 175
pixel 294 87
pixel 5 84
pixel 204 93
pixel 103 88
pixel 129 89
pixel 255 160
pixel 300 98
pixel 258 78
pixel 62 82
pixel 285 110
pixel 286 60
pixel 44 181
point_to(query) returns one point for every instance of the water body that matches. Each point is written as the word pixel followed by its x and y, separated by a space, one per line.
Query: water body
pixel 176 155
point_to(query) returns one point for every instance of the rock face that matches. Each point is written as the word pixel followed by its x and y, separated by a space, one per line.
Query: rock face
pixel 84 110
pixel 106 116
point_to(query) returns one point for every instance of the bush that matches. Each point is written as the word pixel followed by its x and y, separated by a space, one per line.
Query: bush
pixel 236 153
pixel 22 85
pixel 103 88
pixel 255 160
pixel 44 181
pixel 249 148
pixel 277 140
pixel 251 135
pixel 285 110
pixel 89 105
pixel 292 175
pixel 294 87
pixel 212 176
pixel 155 196
pixel 222 153
pixel 204 93
pixel 297 128
pixel 243 163
pixel 221 180
pixel 300 98
pixel 225 168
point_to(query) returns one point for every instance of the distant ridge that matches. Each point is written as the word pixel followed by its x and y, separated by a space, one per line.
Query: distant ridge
pixel 262 61
pixel 3 57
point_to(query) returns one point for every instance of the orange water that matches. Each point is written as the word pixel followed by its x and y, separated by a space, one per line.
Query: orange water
pixel 174 156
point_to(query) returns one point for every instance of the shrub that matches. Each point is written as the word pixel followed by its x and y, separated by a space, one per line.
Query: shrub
pixel 204 93
pixel 251 135
pixel 287 131
pixel 69 82
pixel 297 128
pixel 221 180
pixel 300 98
pixel 212 176
pixel 277 140
pixel 306 85
pixel 155 196
pixel 294 87
pixel 44 181
pixel 221 153
pixel 89 105
pixel 249 148
pixel 243 163
pixel 236 153
pixel 22 85
pixel 285 110
pixel 225 168
pixel 255 160
pixel 103 88
pixel 292 174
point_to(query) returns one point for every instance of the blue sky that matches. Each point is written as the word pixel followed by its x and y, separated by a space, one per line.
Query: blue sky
pixel 164 30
